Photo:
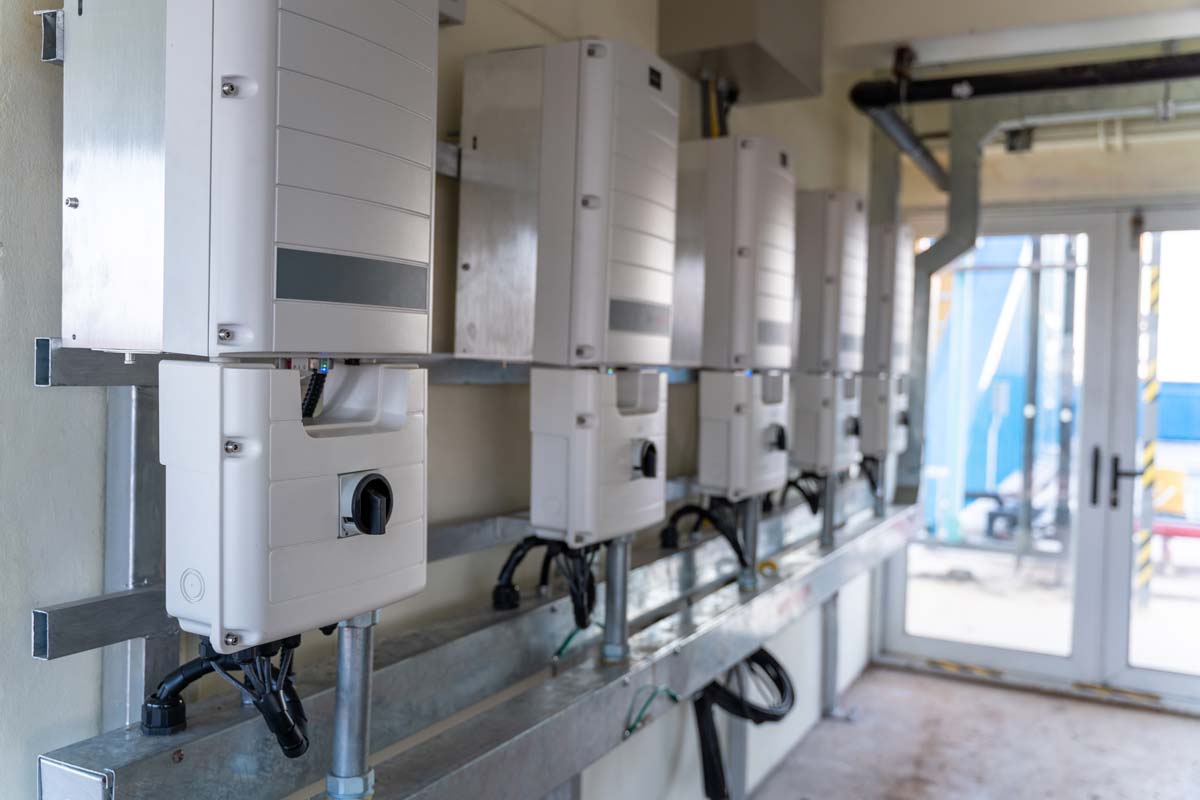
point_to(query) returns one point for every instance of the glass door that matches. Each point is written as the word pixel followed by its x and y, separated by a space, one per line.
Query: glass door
pixel 1152 481
pixel 1007 575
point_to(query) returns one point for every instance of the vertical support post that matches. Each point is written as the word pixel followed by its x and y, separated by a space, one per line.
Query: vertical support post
pixel 134 547
pixel 1029 411
pixel 829 658
pixel 882 474
pixel 750 512
pixel 350 777
pixel 616 601
pixel 829 500
pixel 829 609
pixel 1067 412
pixel 737 745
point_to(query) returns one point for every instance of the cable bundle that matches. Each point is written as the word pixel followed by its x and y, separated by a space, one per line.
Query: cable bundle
pixel 772 681
pixel 270 688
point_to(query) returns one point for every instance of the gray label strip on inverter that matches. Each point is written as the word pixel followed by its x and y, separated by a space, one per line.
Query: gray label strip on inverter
pixel 336 278
pixel 631 316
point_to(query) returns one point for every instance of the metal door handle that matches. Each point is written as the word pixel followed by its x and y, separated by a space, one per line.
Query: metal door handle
pixel 1095 476
pixel 1114 495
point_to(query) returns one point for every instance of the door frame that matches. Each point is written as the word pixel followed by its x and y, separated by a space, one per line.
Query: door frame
pixel 1177 689
pixel 1089 545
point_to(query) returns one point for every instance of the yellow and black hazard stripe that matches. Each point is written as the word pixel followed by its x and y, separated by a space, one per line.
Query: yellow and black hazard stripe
pixel 1149 470
pixel 1143 569
pixel 956 668
pixel 1113 693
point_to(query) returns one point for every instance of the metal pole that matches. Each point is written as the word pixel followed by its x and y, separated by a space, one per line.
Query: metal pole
pixel 750 512
pixel 829 610
pixel 1029 449
pixel 827 540
pixel 134 542
pixel 616 600
pixel 881 492
pixel 829 657
pixel 350 777
pixel 737 744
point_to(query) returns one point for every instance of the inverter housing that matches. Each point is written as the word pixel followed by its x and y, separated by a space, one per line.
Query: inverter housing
pixel 567 205
pixel 261 539
pixel 249 176
pixel 599 452
pixel 831 282
pixel 747 242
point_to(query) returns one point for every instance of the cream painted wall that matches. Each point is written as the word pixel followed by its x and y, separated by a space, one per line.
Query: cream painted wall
pixel 51 456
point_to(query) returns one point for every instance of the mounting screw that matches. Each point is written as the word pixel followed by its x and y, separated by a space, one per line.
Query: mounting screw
pixel 232 447
pixel 72 202
pixel 224 334
pixel 231 639
pixel 229 89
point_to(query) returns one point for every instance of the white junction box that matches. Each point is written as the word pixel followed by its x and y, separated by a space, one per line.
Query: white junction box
pixel 747 244
pixel 278 525
pixel 567 205
pixel 743 433
pixel 884 414
pixel 831 281
pixel 599 452
pixel 887 351
pixel 825 431
pixel 249 176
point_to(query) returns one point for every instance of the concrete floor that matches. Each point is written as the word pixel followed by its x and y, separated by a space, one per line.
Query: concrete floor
pixel 920 737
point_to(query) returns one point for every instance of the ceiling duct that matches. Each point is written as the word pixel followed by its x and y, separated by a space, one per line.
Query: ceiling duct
pixel 769 49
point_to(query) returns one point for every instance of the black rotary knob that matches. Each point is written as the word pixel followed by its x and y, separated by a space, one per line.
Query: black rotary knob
pixel 648 460
pixel 371 507
pixel 777 437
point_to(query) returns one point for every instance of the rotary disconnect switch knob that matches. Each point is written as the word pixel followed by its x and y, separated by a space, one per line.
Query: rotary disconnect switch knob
pixel 646 464
pixel 366 504
pixel 777 437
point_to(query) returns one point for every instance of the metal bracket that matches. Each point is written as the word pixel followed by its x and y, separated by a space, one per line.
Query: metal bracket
pixel 53 35
pixel 70 628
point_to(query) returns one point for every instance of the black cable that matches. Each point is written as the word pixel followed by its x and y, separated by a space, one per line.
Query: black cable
pixel 721 515
pixel 312 395
pixel 270 689
pixel 870 468
pixel 761 666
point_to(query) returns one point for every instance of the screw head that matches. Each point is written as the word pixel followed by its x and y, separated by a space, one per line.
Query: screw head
pixel 72 202
pixel 231 639
pixel 229 89
pixel 232 447
pixel 225 334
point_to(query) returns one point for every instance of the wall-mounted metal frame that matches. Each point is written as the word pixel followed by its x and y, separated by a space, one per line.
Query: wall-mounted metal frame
pixel 518 644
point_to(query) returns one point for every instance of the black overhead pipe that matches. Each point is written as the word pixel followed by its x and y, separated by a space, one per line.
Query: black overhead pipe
pixel 879 94
pixel 876 99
